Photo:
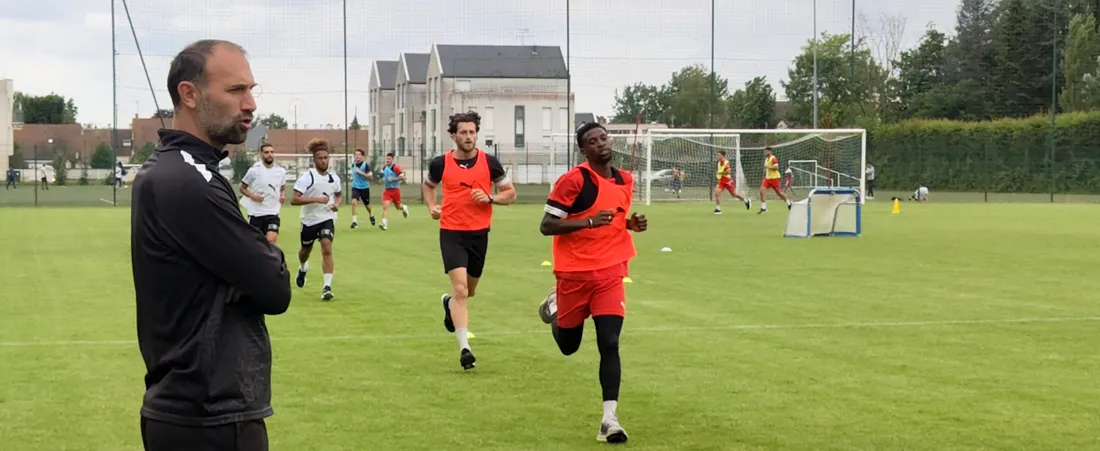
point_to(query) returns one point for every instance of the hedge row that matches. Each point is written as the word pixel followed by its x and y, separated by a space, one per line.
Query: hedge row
pixel 1009 155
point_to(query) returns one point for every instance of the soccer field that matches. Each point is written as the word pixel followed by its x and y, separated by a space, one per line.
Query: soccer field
pixel 949 326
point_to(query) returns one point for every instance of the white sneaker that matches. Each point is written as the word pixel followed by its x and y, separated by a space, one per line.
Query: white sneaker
pixel 611 432
pixel 405 210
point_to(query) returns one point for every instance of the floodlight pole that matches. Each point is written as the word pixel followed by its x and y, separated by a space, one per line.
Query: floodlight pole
pixel 569 90
pixel 114 103
pixel 815 63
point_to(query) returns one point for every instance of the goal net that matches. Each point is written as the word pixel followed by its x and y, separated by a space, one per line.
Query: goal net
pixel 298 163
pixel 826 211
pixel 807 159
pixel 628 154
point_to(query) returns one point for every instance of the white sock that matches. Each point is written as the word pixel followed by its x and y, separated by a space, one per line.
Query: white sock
pixel 463 342
pixel 328 280
pixel 788 201
pixel 717 207
pixel 303 267
pixel 609 410
pixel 763 205
pixel 385 221
pixel 355 218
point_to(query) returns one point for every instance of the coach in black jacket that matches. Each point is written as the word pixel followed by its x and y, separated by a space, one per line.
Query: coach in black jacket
pixel 204 278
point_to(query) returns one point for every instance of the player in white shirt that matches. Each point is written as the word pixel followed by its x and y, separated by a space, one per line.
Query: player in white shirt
pixel 264 190
pixel 920 195
pixel 318 192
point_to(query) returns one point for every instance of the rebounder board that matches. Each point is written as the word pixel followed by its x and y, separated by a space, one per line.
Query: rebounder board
pixel 826 211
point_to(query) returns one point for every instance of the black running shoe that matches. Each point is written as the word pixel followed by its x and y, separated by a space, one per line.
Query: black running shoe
pixel 372 220
pixel 447 322
pixel 467 359
pixel 748 204
pixel 301 279
pixel 354 225
pixel 326 294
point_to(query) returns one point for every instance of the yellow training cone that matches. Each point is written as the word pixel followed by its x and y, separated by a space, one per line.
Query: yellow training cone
pixel 547 264
pixel 627 280
pixel 897 206
pixel 469 335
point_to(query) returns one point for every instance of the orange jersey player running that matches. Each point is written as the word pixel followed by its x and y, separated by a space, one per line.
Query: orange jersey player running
pixel 587 214
pixel 725 183
pixel 771 181
pixel 467 176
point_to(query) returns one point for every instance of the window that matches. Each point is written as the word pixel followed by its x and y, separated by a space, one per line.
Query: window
pixel 563 118
pixel 401 124
pixel 433 122
pixel 462 85
pixel 547 118
pixel 520 126
pixel 487 119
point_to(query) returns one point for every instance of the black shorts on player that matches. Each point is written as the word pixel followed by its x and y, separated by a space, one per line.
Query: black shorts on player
pixel 321 231
pixel 363 194
pixel 463 249
pixel 266 223
pixel 242 436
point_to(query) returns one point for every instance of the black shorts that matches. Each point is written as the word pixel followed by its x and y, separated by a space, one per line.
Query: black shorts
pixel 363 194
pixel 266 223
pixel 464 249
pixel 243 436
pixel 321 231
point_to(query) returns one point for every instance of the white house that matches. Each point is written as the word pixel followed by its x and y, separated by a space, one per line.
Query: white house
pixel 410 95
pixel 383 74
pixel 520 92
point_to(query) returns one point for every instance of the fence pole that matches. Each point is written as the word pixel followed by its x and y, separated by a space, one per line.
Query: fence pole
pixel 1053 99
pixel 35 175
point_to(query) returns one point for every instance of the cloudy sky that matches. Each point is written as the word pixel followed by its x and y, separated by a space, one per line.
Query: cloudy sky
pixel 296 46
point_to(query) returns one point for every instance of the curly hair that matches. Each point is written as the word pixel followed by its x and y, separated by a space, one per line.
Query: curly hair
pixel 469 116
pixel 317 145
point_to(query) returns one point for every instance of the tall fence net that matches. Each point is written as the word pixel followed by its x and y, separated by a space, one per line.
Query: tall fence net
pixel 979 101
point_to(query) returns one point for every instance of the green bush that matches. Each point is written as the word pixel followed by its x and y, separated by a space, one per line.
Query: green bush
pixel 1008 155
pixel 240 162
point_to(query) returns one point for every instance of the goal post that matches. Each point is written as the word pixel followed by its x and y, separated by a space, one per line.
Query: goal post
pixel 808 158
pixel 826 211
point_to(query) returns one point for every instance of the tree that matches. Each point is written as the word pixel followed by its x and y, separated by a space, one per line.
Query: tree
pixel 47 109
pixel 637 98
pixel 61 168
pixel 973 55
pixel 1082 49
pixel 1023 72
pixel 163 113
pixel 839 94
pixel 274 122
pixel 691 99
pixel 753 106
pixel 102 158
pixel 355 124
pixel 920 71
pixel 143 153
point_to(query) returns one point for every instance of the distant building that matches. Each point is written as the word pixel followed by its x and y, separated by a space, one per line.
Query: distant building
pixel 382 104
pixel 409 101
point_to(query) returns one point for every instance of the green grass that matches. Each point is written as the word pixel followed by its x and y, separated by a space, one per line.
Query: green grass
pixel 950 326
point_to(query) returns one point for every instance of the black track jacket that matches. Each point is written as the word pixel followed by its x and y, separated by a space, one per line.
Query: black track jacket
pixel 204 280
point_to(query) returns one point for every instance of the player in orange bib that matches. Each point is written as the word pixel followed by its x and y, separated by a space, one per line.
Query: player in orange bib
pixel 771 181
pixel 587 214
pixel 467 175
pixel 725 183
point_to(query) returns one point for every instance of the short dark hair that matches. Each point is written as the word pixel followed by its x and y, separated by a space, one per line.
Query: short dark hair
pixel 266 145
pixel 584 129
pixel 722 153
pixel 190 65
pixel 768 148
pixel 389 154
pixel 469 116
pixel 360 152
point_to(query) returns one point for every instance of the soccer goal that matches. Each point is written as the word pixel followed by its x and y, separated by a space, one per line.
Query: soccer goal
pixel 628 154
pixel 826 211
pixel 807 159
pixel 298 163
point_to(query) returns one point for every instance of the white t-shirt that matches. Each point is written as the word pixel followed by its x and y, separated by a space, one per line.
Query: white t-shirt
pixel 266 182
pixel 313 184
pixel 921 193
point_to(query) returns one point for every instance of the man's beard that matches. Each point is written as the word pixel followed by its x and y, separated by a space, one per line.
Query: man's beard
pixel 220 131
pixel 467 147
pixel 269 160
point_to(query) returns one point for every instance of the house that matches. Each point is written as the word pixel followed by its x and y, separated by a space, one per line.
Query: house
pixel 382 82
pixel 410 94
pixel 520 92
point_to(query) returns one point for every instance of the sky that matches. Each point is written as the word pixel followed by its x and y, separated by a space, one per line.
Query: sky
pixel 296 47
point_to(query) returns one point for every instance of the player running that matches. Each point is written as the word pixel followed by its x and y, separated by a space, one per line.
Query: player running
pixel 264 190
pixel 587 215
pixel 725 183
pixel 360 187
pixel 392 176
pixel 467 175
pixel 771 181
pixel 318 192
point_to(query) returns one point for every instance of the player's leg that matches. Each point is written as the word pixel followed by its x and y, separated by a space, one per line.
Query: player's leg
pixel 565 310
pixel 272 228
pixel 718 199
pixel 608 310
pixel 385 210
pixel 396 196
pixel 456 318
pixel 354 208
pixel 309 236
pixel 774 185
pixel 366 204
pixel 733 192
pixel 325 235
